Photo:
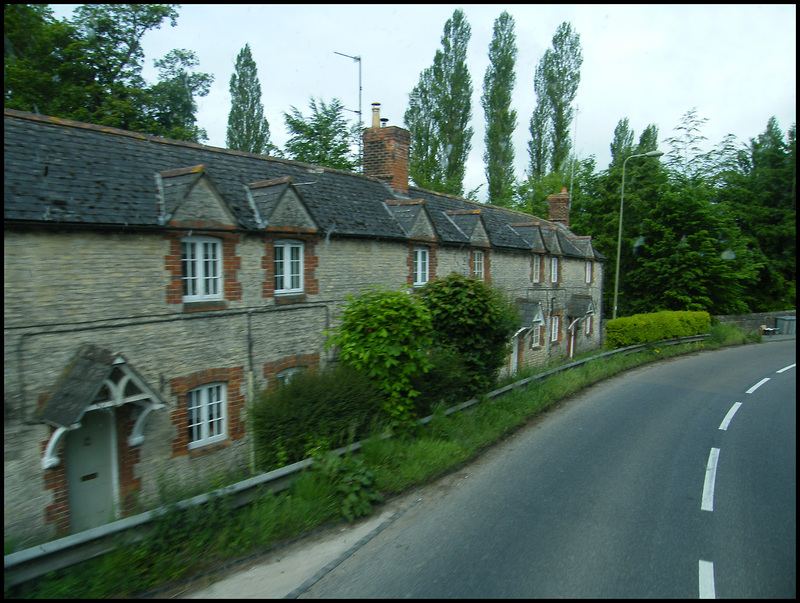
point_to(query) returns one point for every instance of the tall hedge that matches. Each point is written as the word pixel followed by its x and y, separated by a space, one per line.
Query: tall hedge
pixel 323 409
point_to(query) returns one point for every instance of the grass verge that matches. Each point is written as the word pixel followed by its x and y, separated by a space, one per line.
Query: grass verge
pixel 185 543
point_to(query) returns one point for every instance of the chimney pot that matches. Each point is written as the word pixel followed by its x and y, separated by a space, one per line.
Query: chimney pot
pixel 376 115
pixel 384 121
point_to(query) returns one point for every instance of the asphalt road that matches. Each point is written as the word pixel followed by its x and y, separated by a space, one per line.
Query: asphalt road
pixel 617 493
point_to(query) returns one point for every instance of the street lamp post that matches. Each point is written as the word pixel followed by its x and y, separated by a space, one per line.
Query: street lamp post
pixel 621 206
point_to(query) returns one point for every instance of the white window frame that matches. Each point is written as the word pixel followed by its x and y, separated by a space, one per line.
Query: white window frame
pixel 554 269
pixel 555 327
pixel 207 415
pixel 477 264
pixel 535 336
pixel 421 266
pixel 289 266
pixel 201 268
pixel 589 270
pixel 587 325
pixel 537 269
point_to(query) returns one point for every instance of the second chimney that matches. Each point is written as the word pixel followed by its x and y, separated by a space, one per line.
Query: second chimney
pixel 559 207
pixel 386 151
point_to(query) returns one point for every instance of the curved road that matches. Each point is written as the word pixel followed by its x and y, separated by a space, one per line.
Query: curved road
pixel 674 480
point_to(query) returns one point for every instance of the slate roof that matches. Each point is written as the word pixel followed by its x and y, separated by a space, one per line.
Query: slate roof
pixel 65 172
pixel 580 305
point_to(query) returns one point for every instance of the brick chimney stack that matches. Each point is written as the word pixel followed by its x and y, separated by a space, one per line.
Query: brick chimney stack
pixel 386 152
pixel 559 207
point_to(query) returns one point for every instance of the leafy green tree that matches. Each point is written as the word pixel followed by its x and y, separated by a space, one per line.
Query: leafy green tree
pixel 387 334
pixel 690 256
pixel 473 319
pixel 501 119
pixel 44 63
pixel 113 34
pixel 324 138
pixel 439 114
pixel 645 180
pixel 171 102
pixel 89 69
pixel 685 158
pixel 760 194
pixel 248 129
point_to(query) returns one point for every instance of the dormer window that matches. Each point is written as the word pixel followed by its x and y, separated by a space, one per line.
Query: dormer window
pixel 288 267
pixel 201 266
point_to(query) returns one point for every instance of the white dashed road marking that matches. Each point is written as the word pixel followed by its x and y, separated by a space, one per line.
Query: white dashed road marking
pixel 711 478
pixel 727 420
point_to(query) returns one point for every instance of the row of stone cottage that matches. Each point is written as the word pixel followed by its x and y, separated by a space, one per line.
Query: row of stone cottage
pixel 151 286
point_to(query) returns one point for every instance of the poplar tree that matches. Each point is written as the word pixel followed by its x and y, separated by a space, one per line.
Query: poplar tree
pixel 248 129
pixel 563 74
pixel 622 145
pixel 556 84
pixel 501 119
pixel 439 114
pixel 540 144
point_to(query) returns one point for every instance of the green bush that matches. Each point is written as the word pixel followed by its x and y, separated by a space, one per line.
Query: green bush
pixel 316 410
pixel 386 335
pixel 647 328
pixel 473 319
pixel 443 384
pixel 353 482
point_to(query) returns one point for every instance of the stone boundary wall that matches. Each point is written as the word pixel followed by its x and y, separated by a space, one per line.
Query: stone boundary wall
pixel 753 322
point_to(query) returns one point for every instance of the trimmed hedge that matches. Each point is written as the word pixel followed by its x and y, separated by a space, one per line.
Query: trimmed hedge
pixel 646 328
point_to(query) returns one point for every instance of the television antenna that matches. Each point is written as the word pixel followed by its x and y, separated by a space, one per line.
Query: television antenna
pixel 360 123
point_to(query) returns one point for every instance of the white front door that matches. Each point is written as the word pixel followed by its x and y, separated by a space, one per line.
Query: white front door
pixel 91 461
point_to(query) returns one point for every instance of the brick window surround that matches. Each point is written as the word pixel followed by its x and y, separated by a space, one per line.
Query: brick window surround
pixel 271 369
pixel 432 262
pixel 556 317
pixel 231 264
pixel 486 264
pixel 235 401
pixel 310 264
pixel 554 279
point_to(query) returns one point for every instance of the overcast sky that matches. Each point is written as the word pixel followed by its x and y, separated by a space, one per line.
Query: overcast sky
pixel 736 64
